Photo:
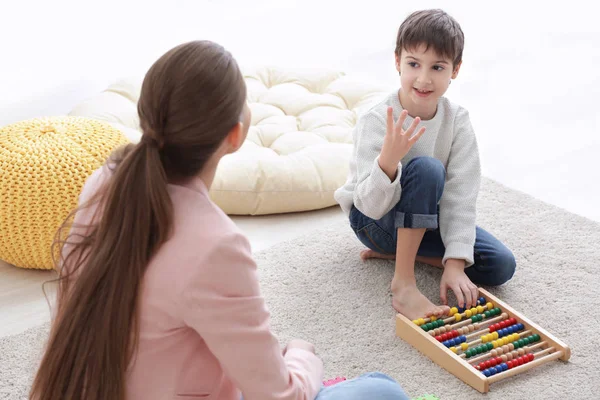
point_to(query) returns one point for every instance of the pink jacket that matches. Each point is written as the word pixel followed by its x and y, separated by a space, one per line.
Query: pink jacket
pixel 204 327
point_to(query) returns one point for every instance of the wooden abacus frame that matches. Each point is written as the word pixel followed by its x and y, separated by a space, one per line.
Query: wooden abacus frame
pixel 453 363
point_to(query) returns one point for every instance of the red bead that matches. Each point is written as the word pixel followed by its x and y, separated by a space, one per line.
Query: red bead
pixel 499 360
pixel 492 327
pixel 513 321
pixel 478 367
pixel 503 324
pixel 488 364
pixel 438 338
pixel 510 364
pixel 454 334
pixel 520 360
pixel 530 356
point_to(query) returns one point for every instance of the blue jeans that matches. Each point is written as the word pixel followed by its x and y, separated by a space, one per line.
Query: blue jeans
pixel 422 183
pixel 371 386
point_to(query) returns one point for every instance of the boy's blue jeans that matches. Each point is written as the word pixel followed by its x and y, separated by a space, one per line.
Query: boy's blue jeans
pixel 422 183
pixel 371 386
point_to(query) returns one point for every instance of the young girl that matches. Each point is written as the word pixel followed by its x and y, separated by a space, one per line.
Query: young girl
pixel 158 292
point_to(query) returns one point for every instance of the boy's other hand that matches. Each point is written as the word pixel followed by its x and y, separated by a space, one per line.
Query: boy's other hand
pixel 397 142
pixel 454 278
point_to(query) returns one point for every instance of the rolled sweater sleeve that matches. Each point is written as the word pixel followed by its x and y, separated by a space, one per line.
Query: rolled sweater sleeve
pixel 375 194
pixel 223 303
pixel 459 200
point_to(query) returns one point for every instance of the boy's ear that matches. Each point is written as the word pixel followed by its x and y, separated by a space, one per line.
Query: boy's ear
pixel 456 69
pixel 397 61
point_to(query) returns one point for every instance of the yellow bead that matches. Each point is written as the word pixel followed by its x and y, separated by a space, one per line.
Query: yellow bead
pixel 457 317
pixel 495 343
pixel 468 313
pixel 474 311
pixel 421 321
pixel 416 321
pixel 464 346
pixel 484 339
pixel 480 309
pixel 453 349
pixel 495 335
pixel 517 336
pixel 453 311
pixel 489 305
pixel 432 318
pixel 506 340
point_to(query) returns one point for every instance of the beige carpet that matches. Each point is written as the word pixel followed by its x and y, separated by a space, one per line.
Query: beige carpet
pixel 318 289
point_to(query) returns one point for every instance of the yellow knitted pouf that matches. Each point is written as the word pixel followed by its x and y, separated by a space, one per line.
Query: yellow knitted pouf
pixel 44 163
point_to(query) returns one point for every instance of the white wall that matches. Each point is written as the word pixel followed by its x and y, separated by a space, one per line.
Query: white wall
pixel 530 75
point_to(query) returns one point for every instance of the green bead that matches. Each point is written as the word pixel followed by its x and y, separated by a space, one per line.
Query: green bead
pixel 423 327
pixel 537 337
pixel 497 311
pixel 441 322
pixel 480 350
pixel 490 346
pixel 487 314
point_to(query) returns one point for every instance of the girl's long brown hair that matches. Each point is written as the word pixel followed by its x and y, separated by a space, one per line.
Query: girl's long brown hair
pixel 190 100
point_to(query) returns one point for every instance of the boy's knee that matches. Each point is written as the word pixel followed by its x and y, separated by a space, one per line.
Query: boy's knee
pixel 505 267
pixel 429 169
pixel 383 387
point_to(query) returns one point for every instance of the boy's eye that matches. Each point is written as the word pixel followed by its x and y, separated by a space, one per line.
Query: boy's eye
pixel 413 64
pixel 438 68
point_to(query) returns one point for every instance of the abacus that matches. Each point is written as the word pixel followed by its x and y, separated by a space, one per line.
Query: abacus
pixel 484 344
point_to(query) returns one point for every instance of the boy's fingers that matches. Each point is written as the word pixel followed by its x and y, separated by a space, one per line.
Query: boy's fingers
pixel 390 121
pixel 444 293
pixel 474 294
pixel 400 121
pixel 412 127
pixel 417 135
pixel 459 296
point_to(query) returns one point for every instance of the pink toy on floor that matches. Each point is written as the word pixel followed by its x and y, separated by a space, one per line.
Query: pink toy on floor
pixel 331 382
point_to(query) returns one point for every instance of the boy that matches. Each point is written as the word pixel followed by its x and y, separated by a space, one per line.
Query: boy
pixel 411 193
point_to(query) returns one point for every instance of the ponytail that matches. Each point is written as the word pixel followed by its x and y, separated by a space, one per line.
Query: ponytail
pixel 95 332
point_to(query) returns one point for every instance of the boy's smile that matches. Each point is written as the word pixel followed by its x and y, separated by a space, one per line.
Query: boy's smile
pixel 425 77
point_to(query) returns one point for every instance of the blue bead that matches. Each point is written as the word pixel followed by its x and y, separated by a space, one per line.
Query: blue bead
pixel 504 366
pixel 462 338
pixel 521 326
pixel 481 301
pixel 502 332
pixel 493 370
pixel 511 329
pixel 487 373
pixel 461 309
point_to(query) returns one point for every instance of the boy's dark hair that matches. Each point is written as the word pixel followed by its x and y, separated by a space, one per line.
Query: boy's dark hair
pixel 432 28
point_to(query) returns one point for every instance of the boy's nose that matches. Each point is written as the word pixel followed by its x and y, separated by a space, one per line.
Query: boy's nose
pixel 424 78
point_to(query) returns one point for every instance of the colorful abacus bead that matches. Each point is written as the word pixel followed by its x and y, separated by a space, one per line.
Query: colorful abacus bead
pixel 495 334
pixel 502 324
pixel 447 336
pixel 481 301
pixel 455 341
pixel 432 325
pixel 508 365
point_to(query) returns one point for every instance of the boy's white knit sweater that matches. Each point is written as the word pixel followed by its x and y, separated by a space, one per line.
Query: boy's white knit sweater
pixel 449 137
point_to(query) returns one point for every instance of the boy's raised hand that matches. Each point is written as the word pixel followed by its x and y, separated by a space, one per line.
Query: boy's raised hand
pixel 397 142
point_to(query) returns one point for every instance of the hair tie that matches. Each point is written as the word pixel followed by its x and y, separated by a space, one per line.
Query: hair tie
pixel 153 140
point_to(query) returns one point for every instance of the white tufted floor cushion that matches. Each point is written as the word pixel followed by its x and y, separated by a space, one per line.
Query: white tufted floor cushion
pixel 298 146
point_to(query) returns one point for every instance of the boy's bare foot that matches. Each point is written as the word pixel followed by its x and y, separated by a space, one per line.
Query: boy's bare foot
pixel 411 303
pixel 368 253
